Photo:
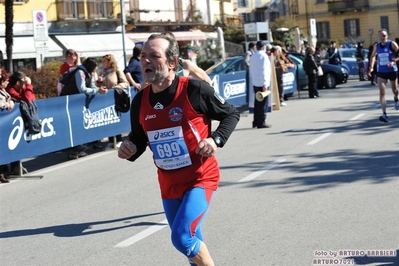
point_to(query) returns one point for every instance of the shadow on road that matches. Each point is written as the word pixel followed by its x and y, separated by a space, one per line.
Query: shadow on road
pixel 75 230
pixel 353 166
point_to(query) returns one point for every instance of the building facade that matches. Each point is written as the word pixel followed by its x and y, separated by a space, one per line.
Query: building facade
pixel 349 21
pixel 92 27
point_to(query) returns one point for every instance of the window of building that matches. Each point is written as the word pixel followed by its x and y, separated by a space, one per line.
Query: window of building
pixel 351 27
pixel 242 3
pixel 69 9
pixel 100 9
pixel 320 1
pixel 246 17
pixel 273 15
pixel 260 16
pixel 385 23
pixel 323 30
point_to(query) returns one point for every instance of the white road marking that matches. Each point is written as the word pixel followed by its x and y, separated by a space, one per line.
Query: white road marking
pixel 325 135
pixel 261 171
pixel 143 234
pixel 356 117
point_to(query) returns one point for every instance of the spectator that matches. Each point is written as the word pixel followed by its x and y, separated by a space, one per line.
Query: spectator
pixel 6 103
pixel 133 70
pixel 82 82
pixel 72 59
pixel 248 54
pixel 188 175
pixel 317 57
pixel 310 67
pixel 20 89
pixel 360 57
pixel 111 77
pixel 373 73
pixel 260 72
pixel 333 55
pixel 247 57
pixel 281 64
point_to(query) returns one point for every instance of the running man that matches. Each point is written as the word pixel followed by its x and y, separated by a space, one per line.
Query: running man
pixel 386 69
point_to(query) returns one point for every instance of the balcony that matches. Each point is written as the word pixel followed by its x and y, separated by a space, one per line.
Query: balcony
pixel 87 9
pixel 148 19
pixel 348 6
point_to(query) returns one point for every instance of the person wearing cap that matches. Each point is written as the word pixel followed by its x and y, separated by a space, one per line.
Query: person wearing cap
pixel 360 57
pixel 260 72
pixel 333 55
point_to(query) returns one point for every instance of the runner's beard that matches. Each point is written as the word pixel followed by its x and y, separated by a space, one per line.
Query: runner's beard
pixel 157 78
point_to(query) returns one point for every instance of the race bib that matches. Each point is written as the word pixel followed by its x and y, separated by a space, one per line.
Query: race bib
pixel 384 59
pixel 170 150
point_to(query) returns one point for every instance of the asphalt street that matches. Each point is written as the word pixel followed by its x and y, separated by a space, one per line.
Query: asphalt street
pixel 320 187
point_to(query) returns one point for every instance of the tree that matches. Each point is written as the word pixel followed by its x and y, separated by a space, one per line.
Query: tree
pixel 288 36
pixel 9 5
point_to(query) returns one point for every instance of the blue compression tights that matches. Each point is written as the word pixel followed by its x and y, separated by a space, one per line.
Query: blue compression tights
pixel 185 216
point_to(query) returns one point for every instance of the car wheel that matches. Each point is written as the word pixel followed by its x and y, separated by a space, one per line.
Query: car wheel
pixel 329 81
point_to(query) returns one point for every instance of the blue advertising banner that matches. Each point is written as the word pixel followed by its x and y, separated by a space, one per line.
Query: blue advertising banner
pixel 66 122
pixel 231 86
pixel 289 81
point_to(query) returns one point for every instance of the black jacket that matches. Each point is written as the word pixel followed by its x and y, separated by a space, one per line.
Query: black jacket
pixel 71 87
pixel 310 65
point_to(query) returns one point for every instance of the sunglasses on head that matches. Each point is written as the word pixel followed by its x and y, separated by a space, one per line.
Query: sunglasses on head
pixel 107 56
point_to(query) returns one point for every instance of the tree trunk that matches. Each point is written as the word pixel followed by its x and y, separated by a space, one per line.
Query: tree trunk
pixel 9 4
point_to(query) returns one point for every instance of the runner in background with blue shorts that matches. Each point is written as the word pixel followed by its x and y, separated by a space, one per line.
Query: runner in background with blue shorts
pixel 386 69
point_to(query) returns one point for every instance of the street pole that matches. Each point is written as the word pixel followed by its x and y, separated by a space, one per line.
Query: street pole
pixel 123 21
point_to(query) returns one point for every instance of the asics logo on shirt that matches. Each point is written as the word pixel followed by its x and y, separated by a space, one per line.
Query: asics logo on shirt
pixel 150 117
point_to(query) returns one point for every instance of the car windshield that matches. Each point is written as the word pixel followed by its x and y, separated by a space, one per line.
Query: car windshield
pixel 220 66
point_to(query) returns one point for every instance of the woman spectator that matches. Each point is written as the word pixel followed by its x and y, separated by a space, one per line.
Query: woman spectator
pixel 20 88
pixel 6 103
pixel 111 77
pixel 310 67
pixel 319 76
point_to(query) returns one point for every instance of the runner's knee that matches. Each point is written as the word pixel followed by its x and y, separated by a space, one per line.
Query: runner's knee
pixel 184 242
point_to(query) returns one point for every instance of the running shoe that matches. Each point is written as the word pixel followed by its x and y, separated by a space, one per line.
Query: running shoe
pixel 396 104
pixel 384 118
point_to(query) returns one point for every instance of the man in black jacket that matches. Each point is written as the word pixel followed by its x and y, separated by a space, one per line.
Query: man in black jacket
pixel 310 67
pixel 360 60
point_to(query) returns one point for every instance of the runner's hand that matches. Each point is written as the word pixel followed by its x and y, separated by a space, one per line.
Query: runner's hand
pixel 127 149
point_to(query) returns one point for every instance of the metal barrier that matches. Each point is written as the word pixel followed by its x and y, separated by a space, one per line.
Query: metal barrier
pixel 66 122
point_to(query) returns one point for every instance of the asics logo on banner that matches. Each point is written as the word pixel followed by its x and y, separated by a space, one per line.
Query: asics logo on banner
pixel 102 117
pixel 19 130
pixel 150 117
pixel 165 134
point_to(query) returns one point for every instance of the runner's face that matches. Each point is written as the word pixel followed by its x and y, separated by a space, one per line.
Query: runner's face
pixel 383 36
pixel 153 61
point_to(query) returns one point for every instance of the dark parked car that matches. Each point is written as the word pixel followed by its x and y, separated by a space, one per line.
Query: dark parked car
pixel 332 74
pixel 349 60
